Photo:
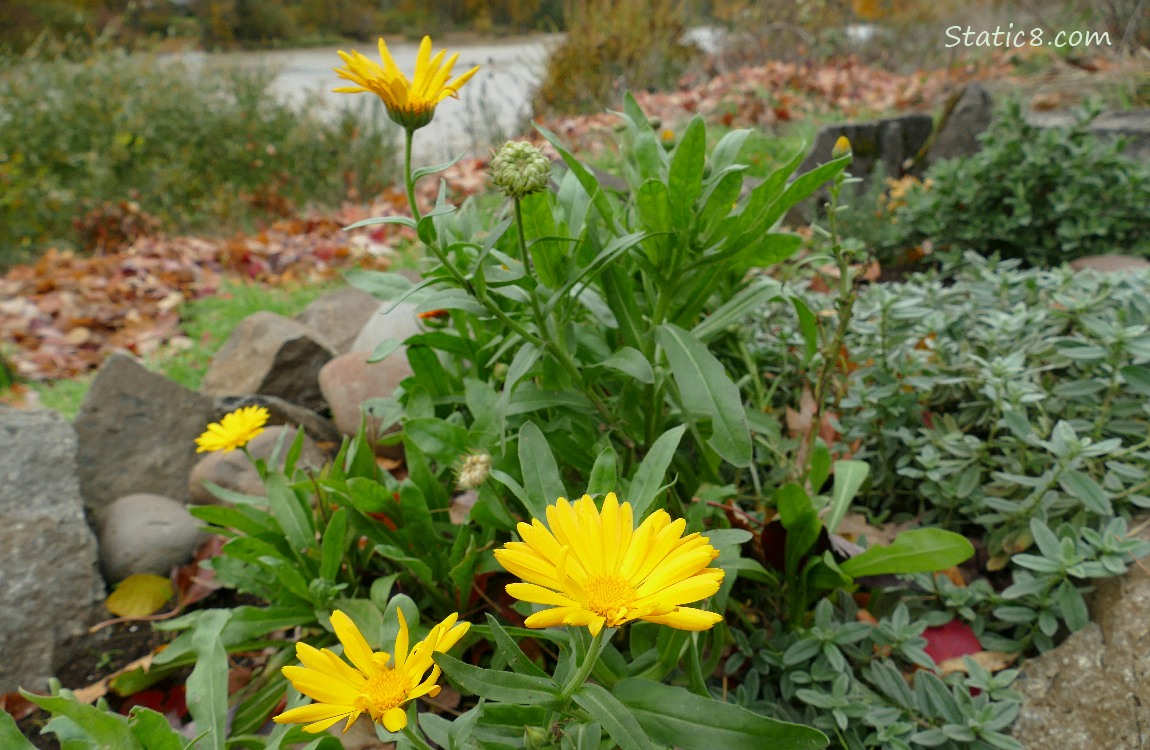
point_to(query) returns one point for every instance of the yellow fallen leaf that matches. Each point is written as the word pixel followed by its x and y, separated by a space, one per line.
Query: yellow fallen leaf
pixel 139 595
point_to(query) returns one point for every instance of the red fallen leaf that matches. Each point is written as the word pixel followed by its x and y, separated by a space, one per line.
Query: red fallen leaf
pixel 171 702
pixel 950 641
pixel 18 706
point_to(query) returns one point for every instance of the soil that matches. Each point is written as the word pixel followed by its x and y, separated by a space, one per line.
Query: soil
pixel 96 656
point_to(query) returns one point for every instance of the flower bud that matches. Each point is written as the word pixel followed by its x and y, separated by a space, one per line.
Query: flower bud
pixel 842 147
pixel 474 471
pixel 519 169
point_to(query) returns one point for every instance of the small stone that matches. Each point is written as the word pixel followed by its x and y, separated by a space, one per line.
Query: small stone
pixel 146 533
pixel 270 354
pixel 349 380
pixel 233 470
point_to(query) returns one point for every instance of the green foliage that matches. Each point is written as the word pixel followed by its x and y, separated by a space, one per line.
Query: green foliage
pixel 1042 195
pixel 847 679
pixel 87 143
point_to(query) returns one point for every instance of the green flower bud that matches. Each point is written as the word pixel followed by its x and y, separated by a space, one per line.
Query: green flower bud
pixel 520 169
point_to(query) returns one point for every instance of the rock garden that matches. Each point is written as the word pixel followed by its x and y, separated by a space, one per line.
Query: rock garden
pixel 684 439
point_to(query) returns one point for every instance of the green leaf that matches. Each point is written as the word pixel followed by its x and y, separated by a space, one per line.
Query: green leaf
pixel 208 684
pixel 109 731
pixel 809 327
pixel 849 477
pixel 384 349
pixel 604 474
pixel 685 177
pixel 10 736
pixel 728 149
pixel 630 361
pixel 736 309
pixel 672 716
pixel 613 716
pixel 1083 488
pixel 653 204
pixel 152 729
pixel 916 551
pixel 422 172
pixel 516 659
pixel 452 299
pixel 505 687
pixel 1137 377
pixel 334 545
pixel 437 438
pixel 704 386
pixel 541 480
pixel 649 478
pixel 290 512
pixel 767 250
pixel 406 221
pixel 586 179
pixel 379 284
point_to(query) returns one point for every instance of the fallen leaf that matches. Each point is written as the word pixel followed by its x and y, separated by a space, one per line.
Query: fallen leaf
pixel 139 595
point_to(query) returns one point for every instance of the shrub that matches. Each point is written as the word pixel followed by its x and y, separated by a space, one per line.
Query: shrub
pixel 1043 195
pixel 639 48
pixel 194 149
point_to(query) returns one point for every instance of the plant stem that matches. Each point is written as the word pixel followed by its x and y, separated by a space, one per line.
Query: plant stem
pixel 416 740
pixel 409 183
pixel 584 671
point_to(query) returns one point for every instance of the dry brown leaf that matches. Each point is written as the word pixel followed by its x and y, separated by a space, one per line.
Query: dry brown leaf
pixel 995 661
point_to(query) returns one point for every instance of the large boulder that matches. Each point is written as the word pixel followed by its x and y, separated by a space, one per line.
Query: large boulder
pixel 389 321
pixel 50 587
pixel 965 118
pixel 268 353
pixel 137 433
pixel 337 316
pixel 349 380
pixel 146 533
pixel 1093 690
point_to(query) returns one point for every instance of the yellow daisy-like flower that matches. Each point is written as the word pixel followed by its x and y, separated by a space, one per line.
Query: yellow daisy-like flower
pixel 235 430
pixel 374 682
pixel 597 569
pixel 409 103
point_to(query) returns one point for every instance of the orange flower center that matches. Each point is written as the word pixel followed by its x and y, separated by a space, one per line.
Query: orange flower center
pixel 385 691
pixel 610 596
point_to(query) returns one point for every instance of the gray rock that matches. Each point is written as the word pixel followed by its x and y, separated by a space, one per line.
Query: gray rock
pixel 270 354
pixel 399 324
pixel 1109 263
pixel 1093 690
pixel 338 316
pixel 349 380
pixel 137 433
pixel 234 471
pixel 281 412
pixel 965 118
pixel 50 588
pixel 881 148
pixel 146 533
pixel 1133 126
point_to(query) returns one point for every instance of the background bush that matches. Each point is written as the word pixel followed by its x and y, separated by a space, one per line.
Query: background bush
pixel 195 149
pixel 1042 195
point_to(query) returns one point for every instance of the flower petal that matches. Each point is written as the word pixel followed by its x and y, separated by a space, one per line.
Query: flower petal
pixel 395 719
pixel 355 647
pixel 687 618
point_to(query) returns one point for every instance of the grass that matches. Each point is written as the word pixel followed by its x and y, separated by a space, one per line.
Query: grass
pixel 207 322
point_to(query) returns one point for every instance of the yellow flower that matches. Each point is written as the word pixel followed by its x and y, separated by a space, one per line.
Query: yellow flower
pixel 235 430
pixel 409 103
pixel 374 682
pixel 597 569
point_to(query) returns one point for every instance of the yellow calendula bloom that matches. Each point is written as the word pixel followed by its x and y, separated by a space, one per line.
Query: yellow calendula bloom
pixel 235 430
pixel 376 683
pixel 409 103
pixel 596 569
